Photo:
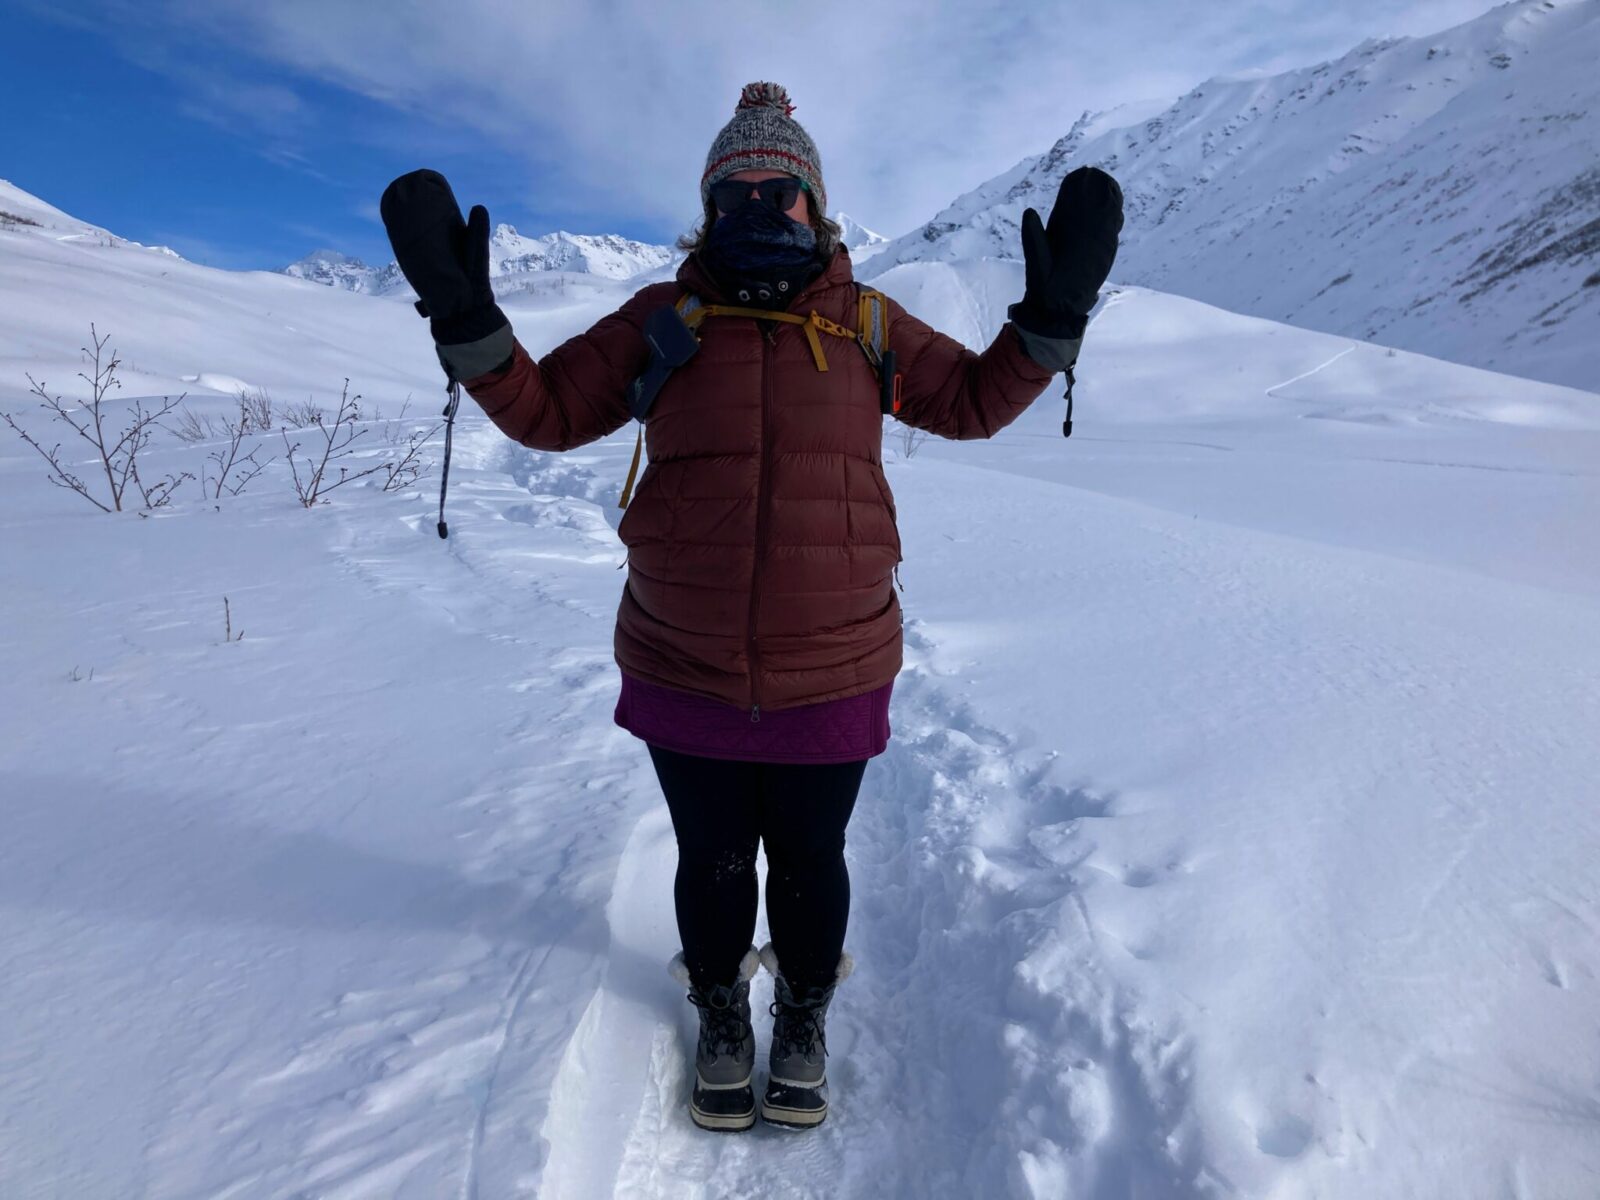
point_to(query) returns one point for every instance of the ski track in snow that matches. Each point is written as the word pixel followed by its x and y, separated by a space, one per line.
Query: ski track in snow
pixel 942 914
pixel 1322 366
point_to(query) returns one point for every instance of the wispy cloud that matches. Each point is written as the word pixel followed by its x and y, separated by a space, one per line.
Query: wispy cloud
pixel 267 108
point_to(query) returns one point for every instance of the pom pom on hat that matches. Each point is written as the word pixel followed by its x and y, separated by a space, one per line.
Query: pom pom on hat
pixel 772 95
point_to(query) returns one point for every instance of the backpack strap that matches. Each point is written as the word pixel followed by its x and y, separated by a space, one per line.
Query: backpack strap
pixel 874 333
pixel 692 311
pixel 627 486
pixel 874 339
pixel 872 336
pixel 811 325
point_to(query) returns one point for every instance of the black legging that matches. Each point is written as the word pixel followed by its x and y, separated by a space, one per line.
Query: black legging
pixel 721 809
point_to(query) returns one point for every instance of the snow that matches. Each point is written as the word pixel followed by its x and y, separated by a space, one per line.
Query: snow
pixel 1236 836
pixel 863 242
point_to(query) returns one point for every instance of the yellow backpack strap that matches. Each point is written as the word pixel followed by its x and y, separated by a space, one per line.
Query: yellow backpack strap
pixel 761 314
pixel 627 487
pixel 809 324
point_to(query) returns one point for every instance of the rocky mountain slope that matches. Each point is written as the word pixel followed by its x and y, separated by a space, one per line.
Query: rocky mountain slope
pixel 1440 193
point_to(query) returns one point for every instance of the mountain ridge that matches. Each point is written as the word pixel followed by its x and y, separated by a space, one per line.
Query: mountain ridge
pixel 1376 195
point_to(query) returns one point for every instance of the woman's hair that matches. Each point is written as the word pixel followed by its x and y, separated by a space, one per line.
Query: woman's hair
pixel 828 232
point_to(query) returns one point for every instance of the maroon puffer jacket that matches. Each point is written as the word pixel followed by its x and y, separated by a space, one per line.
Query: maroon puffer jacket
pixel 761 537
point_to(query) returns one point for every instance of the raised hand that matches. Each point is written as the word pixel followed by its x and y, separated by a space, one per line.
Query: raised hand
pixel 443 257
pixel 1068 260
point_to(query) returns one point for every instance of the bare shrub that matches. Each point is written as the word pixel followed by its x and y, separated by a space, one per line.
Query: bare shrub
pixel 406 469
pixel 257 405
pixel 191 427
pixel 11 220
pixel 910 438
pixel 337 438
pixel 235 470
pixel 118 456
pixel 400 467
pixel 303 416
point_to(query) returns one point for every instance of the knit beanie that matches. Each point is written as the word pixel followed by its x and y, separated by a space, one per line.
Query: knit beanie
pixel 763 135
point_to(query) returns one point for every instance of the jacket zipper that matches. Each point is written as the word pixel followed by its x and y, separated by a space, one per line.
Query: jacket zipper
pixel 753 655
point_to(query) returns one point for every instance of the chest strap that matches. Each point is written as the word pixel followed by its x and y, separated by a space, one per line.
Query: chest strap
pixel 872 337
pixel 812 326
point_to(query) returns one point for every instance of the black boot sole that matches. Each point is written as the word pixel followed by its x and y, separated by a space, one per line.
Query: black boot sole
pixel 723 1110
pixel 794 1107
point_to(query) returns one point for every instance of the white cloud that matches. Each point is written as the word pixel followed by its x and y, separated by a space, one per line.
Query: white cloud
pixel 909 102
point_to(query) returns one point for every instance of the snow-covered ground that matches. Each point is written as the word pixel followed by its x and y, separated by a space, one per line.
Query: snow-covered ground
pixel 1236 837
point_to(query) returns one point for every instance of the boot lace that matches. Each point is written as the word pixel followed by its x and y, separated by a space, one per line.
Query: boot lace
pixel 799 1027
pixel 722 1028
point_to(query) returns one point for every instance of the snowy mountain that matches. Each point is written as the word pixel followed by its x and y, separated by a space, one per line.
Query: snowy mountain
pixel 333 269
pixel 863 242
pixel 516 262
pixel 1236 836
pixel 1437 193
pixel 606 255
pixel 23 212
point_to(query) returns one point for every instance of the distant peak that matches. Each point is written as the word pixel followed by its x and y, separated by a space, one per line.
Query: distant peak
pixel 855 233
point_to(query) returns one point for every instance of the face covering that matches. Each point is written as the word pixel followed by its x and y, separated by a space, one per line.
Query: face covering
pixel 761 257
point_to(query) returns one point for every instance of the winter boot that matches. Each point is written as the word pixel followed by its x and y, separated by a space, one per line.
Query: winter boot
pixel 725 1055
pixel 797 1088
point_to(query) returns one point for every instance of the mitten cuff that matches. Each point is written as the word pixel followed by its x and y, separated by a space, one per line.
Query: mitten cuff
pixel 467 359
pixel 1051 353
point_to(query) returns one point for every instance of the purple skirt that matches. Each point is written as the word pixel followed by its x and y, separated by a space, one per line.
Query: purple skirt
pixel 834 731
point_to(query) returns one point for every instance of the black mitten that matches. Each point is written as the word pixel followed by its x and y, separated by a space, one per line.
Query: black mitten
pixel 443 257
pixel 1068 260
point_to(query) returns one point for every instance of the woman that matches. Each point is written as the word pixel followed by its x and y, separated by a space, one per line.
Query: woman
pixel 759 632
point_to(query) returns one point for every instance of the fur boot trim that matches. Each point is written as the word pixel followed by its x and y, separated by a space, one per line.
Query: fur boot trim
pixel 678 968
pixel 769 959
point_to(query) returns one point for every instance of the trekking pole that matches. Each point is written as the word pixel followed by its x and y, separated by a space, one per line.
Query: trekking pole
pixel 450 407
pixel 1066 426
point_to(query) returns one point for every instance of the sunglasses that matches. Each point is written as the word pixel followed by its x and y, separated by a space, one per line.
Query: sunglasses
pixel 780 193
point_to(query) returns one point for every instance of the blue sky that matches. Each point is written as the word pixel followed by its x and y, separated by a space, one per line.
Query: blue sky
pixel 246 133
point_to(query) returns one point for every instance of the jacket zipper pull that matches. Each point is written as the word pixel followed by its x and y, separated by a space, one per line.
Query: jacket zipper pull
pixel 755 713
pixel 897 577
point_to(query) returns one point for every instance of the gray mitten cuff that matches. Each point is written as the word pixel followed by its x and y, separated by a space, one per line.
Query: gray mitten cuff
pixel 471 359
pixel 1053 354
